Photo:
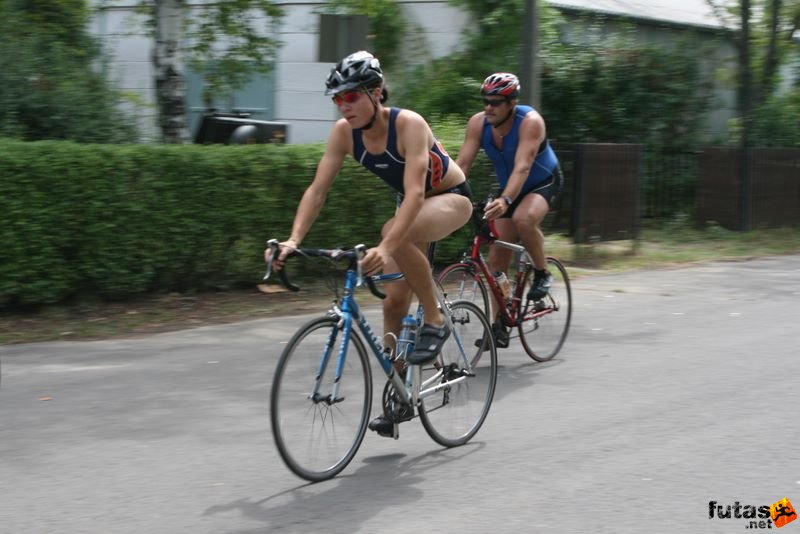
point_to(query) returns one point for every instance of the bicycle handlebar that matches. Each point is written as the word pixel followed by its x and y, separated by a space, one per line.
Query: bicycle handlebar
pixel 482 225
pixel 353 257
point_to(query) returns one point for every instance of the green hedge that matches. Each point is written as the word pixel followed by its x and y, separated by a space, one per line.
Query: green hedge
pixel 110 221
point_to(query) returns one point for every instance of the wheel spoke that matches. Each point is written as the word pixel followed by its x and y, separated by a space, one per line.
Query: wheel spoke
pixel 317 437
pixel 544 328
pixel 461 281
pixel 455 412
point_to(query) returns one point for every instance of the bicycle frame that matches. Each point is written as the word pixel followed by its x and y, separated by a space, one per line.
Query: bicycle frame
pixel 410 391
pixel 513 312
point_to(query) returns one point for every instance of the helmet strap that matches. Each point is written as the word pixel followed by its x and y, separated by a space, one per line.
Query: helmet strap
pixel 502 122
pixel 374 113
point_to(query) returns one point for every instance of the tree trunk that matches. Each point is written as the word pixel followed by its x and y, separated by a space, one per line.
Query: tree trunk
pixel 530 68
pixel 170 87
pixel 745 74
pixel 767 84
pixel 745 109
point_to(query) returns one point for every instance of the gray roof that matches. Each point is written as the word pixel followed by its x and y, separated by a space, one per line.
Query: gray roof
pixel 685 12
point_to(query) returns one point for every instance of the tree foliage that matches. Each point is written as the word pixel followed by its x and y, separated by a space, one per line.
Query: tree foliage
pixel 231 41
pixel 64 20
pixel 52 84
pixel 599 90
pixel 626 94
pixel 494 43
pixel 776 122
pixel 765 33
pixel 773 31
pixel 225 42
pixel 450 85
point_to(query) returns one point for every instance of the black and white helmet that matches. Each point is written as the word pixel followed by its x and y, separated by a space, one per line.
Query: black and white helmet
pixel 359 69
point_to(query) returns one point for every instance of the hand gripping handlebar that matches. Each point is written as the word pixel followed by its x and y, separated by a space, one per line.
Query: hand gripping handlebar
pixel 354 258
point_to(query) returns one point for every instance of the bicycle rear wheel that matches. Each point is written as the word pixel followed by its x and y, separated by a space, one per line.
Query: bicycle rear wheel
pixel 316 435
pixel 462 281
pixel 454 413
pixel 545 323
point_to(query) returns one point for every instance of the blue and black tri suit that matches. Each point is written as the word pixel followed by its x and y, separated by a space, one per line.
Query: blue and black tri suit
pixel 544 177
pixel 390 166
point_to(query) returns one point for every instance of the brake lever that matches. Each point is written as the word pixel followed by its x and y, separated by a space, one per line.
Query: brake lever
pixel 361 251
pixel 272 244
pixel 489 200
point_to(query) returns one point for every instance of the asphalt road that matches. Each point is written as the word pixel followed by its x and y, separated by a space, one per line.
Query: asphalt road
pixel 675 388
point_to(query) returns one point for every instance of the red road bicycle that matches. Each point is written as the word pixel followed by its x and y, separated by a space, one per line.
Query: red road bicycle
pixel 542 325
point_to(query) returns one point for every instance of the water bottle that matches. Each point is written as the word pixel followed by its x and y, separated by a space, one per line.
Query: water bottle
pixel 407 337
pixel 504 283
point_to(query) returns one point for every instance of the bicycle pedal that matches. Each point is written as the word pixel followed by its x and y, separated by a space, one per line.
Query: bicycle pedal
pixel 454 373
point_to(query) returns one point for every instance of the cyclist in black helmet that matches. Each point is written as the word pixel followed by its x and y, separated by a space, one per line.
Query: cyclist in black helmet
pixel 398 146
pixel 514 138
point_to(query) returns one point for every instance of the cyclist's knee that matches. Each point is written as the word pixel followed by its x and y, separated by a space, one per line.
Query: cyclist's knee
pixel 531 211
pixel 528 228
pixel 529 221
pixel 396 303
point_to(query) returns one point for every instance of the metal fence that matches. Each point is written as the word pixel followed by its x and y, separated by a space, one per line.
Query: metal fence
pixel 669 182
pixel 742 190
pixel 601 200
pixel 611 189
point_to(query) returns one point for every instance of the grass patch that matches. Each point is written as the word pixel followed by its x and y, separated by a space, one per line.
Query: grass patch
pixel 673 245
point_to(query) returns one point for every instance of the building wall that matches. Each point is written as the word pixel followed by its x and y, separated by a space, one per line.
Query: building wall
pixel 128 48
pixel 299 101
pixel 435 27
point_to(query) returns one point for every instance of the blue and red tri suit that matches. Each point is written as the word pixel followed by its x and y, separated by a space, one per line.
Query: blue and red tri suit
pixel 390 167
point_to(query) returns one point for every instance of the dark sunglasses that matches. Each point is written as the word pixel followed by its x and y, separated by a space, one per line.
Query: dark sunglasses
pixel 494 103
pixel 349 97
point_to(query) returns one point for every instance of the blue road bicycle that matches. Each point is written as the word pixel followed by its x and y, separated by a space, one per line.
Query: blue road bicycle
pixel 322 389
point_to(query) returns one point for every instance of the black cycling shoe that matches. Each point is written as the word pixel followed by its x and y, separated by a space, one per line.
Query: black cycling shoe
pixel 429 343
pixel 481 343
pixel 542 281
pixel 501 335
pixel 383 426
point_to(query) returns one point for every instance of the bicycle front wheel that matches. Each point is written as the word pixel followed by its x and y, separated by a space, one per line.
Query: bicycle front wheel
pixel 462 281
pixel 545 323
pixel 316 434
pixel 459 394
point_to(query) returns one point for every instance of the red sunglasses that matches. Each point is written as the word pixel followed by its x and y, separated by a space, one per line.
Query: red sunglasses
pixel 348 97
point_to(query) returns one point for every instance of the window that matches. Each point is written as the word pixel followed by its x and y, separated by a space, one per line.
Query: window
pixel 256 98
pixel 340 35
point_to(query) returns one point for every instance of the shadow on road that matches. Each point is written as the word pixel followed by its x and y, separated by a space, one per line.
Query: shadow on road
pixel 380 483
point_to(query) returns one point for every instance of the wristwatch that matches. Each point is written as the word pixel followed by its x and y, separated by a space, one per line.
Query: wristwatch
pixel 508 200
